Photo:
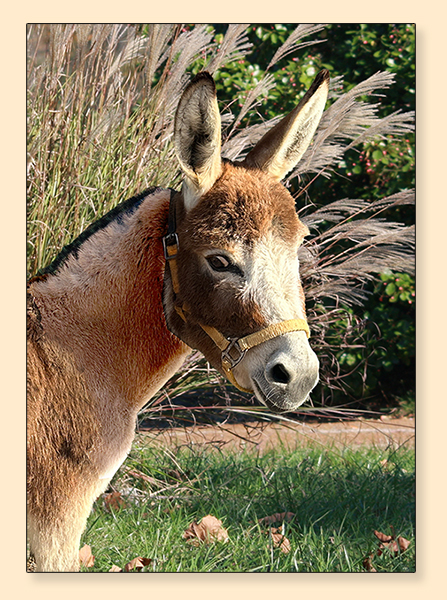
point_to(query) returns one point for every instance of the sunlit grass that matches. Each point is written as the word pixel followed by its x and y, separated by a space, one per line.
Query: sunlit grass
pixel 338 498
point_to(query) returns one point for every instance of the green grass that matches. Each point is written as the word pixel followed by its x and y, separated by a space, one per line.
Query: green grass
pixel 338 498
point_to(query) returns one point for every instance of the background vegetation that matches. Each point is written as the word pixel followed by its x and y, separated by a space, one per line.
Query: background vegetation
pixel 101 101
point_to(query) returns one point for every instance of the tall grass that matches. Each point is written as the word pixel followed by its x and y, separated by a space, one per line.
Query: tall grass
pixel 101 104
pixel 98 129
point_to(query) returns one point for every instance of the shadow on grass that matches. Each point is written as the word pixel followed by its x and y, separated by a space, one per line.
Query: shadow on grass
pixel 351 490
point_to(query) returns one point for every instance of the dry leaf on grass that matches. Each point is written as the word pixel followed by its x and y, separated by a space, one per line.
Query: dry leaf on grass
pixel 86 557
pixel 395 546
pixel 383 537
pixel 113 501
pixel 279 540
pixel 403 543
pixel 387 542
pixel 277 518
pixel 137 564
pixel 367 564
pixel 208 530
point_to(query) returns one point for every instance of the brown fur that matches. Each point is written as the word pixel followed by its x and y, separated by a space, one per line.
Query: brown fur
pixel 243 206
pixel 58 449
pixel 93 299
pixel 93 359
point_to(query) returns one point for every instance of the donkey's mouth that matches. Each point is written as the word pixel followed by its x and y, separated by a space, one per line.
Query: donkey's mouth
pixel 273 399
pixel 284 375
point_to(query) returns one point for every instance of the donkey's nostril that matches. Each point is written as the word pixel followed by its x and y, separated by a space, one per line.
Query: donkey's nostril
pixel 279 374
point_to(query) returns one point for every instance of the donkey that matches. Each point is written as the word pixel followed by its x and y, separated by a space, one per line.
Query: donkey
pixel 213 267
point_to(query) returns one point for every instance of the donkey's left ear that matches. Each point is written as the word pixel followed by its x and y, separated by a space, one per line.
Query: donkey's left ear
pixel 197 138
pixel 280 149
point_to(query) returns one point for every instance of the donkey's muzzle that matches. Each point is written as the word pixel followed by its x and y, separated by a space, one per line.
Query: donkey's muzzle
pixel 284 378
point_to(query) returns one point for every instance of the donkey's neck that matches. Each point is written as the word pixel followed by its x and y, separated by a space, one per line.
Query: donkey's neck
pixel 104 305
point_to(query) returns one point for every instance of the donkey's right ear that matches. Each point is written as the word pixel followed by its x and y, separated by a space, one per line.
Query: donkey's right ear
pixel 197 138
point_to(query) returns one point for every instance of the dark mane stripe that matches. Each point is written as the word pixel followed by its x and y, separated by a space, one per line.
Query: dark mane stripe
pixel 125 208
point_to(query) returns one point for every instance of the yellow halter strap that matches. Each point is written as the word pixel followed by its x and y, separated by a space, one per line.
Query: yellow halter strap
pixel 233 349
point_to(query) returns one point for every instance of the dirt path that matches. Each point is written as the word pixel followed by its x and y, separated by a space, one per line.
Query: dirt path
pixel 382 433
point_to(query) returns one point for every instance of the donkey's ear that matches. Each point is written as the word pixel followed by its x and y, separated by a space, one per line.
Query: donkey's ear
pixel 197 138
pixel 280 149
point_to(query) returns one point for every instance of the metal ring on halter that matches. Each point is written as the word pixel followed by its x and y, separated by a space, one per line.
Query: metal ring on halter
pixel 230 361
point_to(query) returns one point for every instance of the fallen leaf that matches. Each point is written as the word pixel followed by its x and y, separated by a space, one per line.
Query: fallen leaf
pixel 86 557
pixel 277 518
pixel 114 501
pixel 208 530
pixel 383 537
pixel 389 543
pixel 115 569
pixel 137 564
pixel 395 546
pixel 367 563
pixel 280 541
pixel 403 543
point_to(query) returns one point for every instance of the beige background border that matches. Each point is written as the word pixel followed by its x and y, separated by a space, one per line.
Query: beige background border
pixel 431 508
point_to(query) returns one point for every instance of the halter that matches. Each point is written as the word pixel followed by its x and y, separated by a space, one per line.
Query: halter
pixel 232 350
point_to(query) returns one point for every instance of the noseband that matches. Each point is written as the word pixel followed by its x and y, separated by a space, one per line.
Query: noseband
pixel 232 350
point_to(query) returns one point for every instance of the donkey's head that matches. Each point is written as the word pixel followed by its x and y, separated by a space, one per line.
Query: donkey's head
pixel 232 288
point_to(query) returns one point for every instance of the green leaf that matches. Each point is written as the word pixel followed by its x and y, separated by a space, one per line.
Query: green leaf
pixel 390 289
pixel 348 359
pixel 377 155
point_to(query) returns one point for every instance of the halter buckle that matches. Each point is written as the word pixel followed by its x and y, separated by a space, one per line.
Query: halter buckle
pixel 168 241
pixel 228 361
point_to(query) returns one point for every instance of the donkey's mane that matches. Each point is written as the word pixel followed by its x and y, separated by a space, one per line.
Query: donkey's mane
pixel 125 208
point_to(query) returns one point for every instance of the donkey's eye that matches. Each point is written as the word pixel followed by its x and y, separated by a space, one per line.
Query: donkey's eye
pixel 219 262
